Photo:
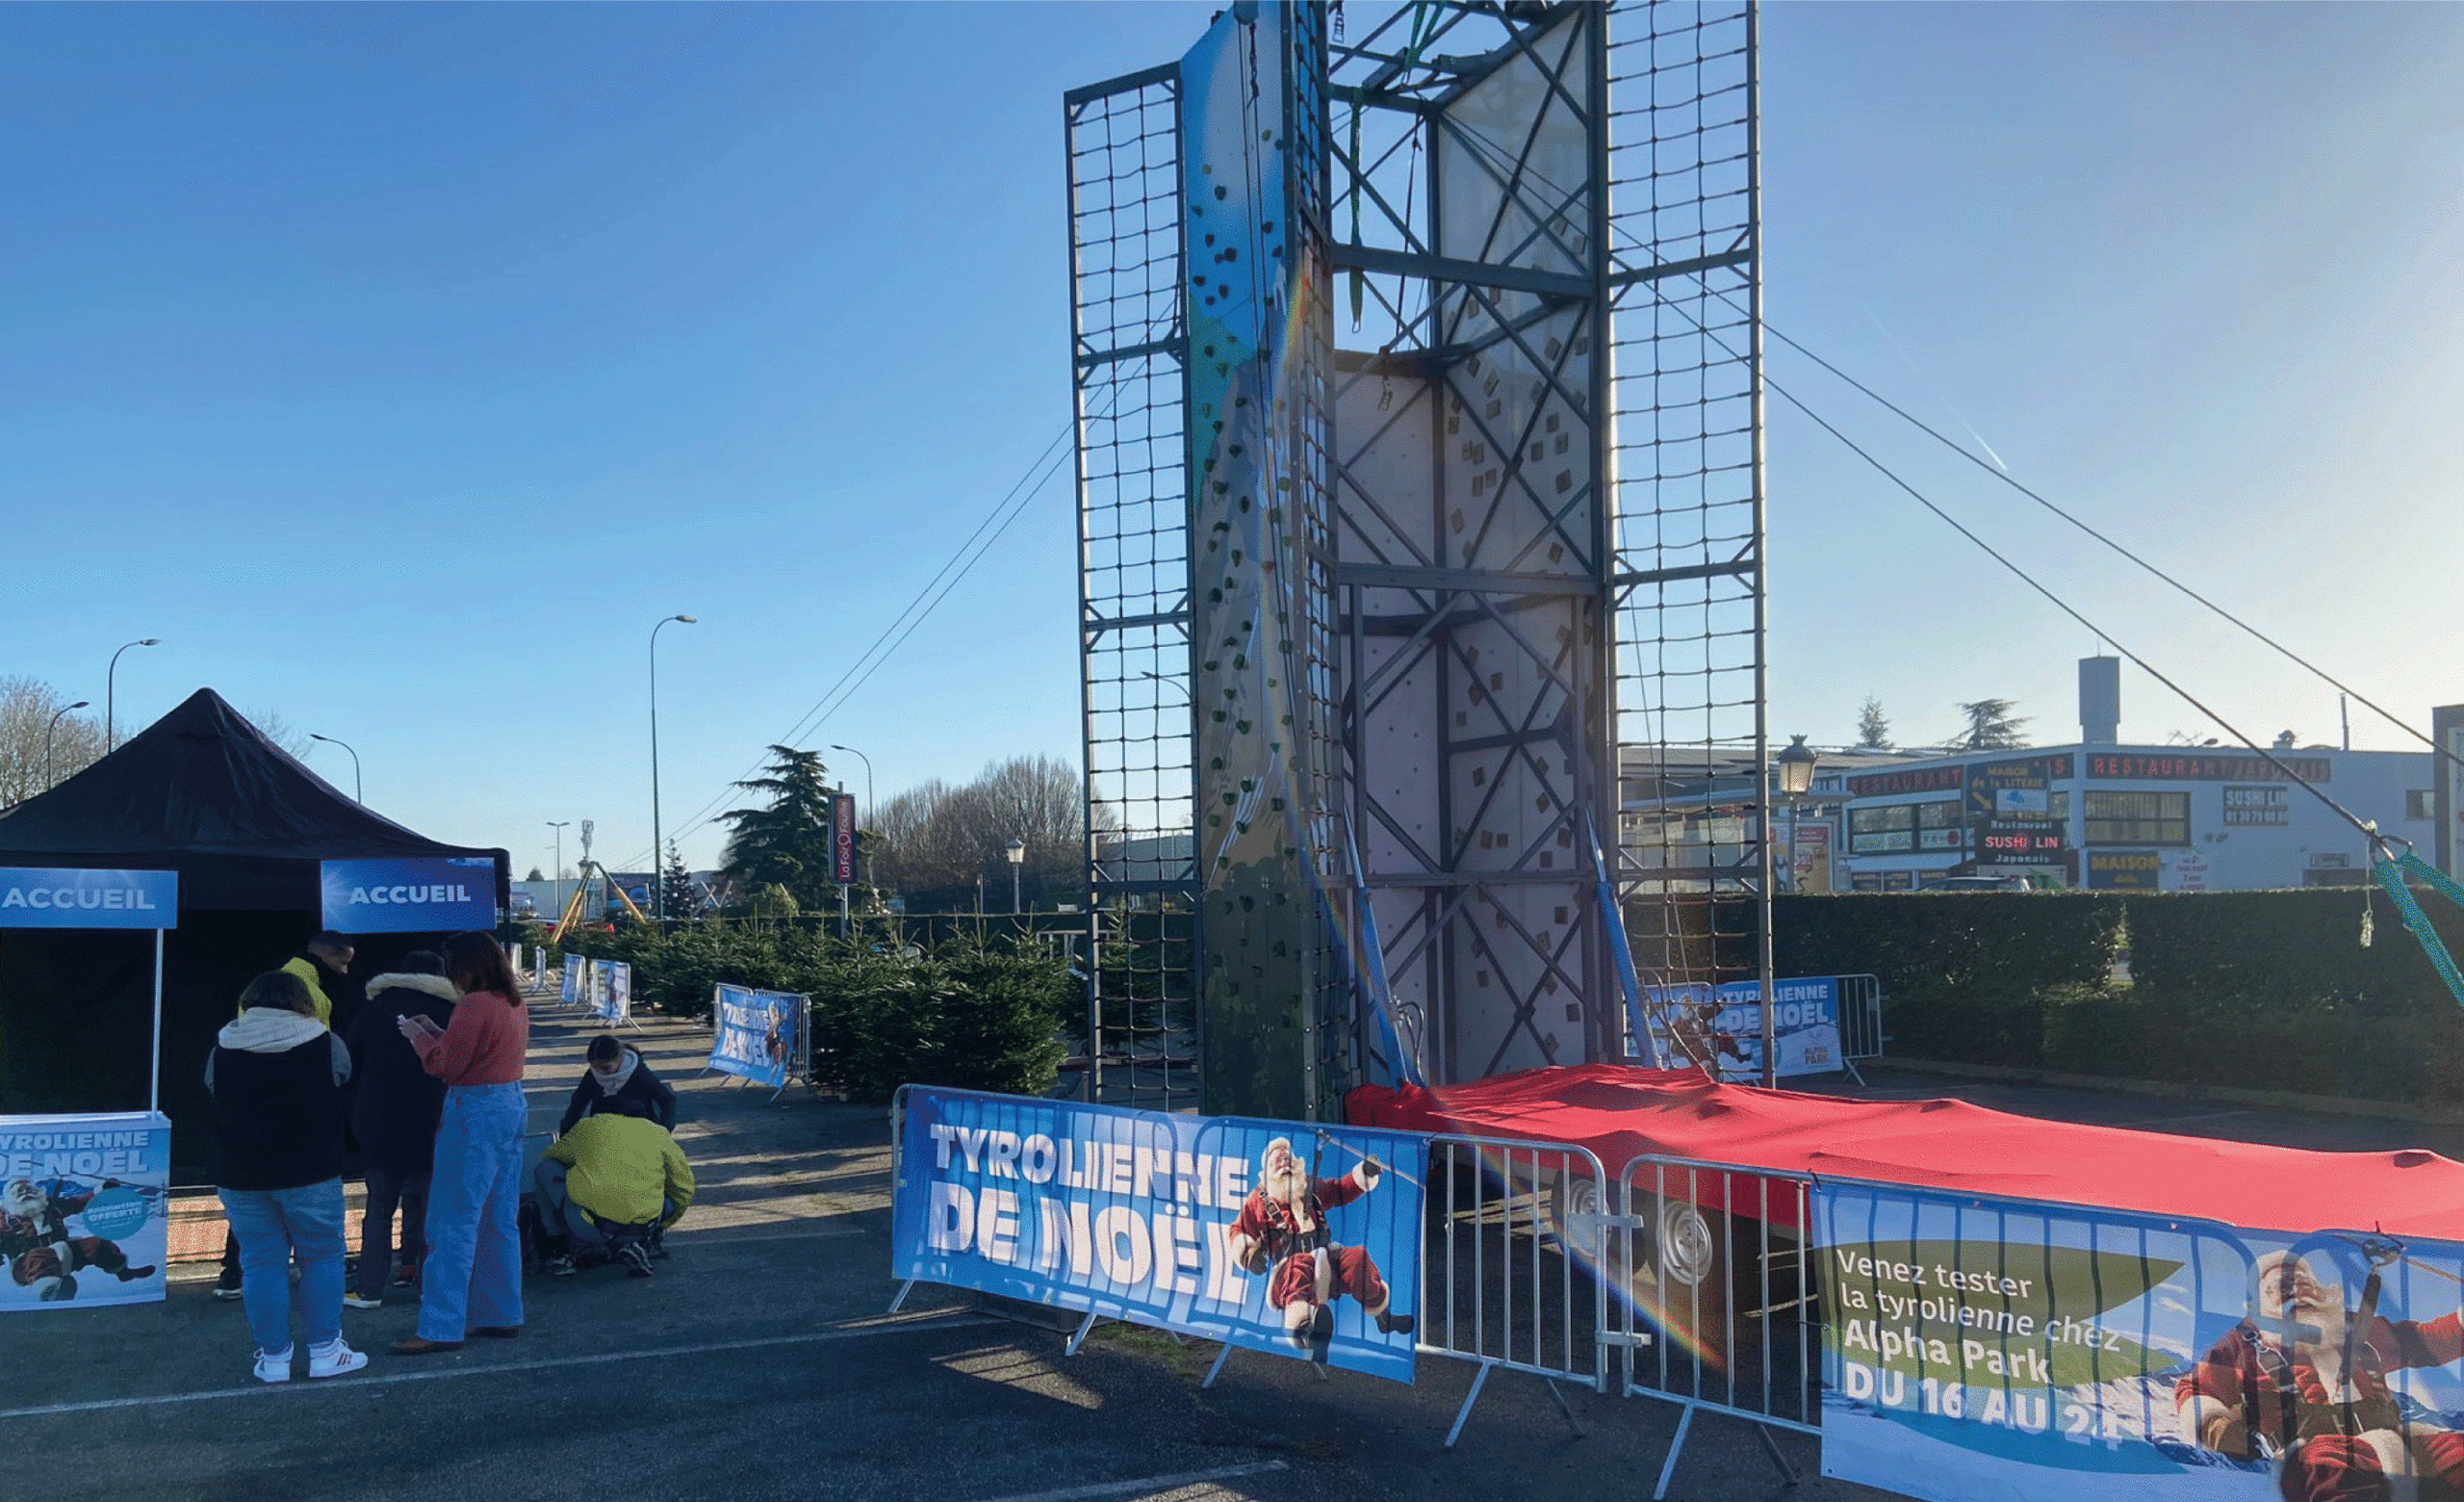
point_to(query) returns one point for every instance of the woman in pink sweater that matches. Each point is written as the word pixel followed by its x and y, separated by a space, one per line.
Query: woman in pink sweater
pixel 471 1283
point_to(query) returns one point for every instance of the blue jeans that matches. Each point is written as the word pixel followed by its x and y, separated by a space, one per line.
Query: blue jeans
pixel 473 1274
pixel 272 1225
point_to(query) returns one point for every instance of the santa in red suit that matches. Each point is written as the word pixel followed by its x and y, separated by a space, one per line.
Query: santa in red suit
pixel 42 1257
pixel 2305 1382
pixel 1281 1234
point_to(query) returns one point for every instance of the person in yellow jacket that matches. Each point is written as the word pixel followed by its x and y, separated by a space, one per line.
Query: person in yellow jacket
pixel 611 1184
pixel 323 966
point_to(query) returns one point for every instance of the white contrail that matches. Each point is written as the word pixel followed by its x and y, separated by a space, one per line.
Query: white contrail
pixel 1956 414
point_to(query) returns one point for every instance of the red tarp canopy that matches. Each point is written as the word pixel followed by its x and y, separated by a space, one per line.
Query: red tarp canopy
pixel 1621 1113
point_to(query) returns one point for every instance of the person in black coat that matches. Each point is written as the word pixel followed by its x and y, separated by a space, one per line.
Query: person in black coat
pixel 393 1118
pixel 276 1076
pixel 616 1070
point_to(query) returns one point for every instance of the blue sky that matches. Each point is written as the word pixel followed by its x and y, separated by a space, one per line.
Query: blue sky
pixel 401 366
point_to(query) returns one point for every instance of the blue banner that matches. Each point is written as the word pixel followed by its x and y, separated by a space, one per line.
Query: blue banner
pixel 83 1217
pixel 569 983
pixel 1721 1026
pixel 41 897
pixel 1981 1348
pixel 612 990
pixel 410 897
pixel 757 1033
pixel 1273 1237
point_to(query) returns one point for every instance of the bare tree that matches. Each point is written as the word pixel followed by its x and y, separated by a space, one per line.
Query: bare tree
pixel 36 727
pixel 282 733
pixel 936 837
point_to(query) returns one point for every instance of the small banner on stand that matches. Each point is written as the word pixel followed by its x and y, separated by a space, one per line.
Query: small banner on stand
pixel 569 990
pixel 82 1209
pixel 1272 1236
pixel 757 1033
pixel 1722 1026
pixel 612 987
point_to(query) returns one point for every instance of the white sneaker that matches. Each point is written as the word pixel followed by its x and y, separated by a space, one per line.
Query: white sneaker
pixel 353 1301
pixel 334 1361
pixel 275 1365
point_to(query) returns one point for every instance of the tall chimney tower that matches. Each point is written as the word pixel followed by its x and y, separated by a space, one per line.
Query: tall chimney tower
pixel 2100 700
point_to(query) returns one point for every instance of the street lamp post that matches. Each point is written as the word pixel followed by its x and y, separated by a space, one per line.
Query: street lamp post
pixel 557 885
pixel 658 845
pixel 1016 851
pixel 358 788
pixel 46 741
pixel 111 681
pixel 1795 768
pixel 869 807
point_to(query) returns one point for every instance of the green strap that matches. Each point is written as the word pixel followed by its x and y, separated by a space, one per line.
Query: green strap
pixel 2391 874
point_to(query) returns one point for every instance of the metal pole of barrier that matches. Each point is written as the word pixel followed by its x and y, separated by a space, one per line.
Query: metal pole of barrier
pixel 1676 1447
pixel 1533 1200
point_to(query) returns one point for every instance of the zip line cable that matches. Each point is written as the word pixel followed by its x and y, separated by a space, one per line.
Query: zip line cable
pixel 1961 450
pixel 1030 484
pixel 1496 152
pixel 2368 831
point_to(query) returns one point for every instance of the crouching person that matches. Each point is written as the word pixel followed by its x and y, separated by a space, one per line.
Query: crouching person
pixel 611 1188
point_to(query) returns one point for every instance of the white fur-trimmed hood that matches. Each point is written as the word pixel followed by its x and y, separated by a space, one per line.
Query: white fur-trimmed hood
pixel 268 1030
pixel 436 986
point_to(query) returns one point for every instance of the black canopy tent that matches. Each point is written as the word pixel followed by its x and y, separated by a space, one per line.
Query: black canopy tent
pixel 205 793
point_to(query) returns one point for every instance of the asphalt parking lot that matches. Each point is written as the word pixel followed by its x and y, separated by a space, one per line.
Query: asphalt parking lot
pixel 760 1362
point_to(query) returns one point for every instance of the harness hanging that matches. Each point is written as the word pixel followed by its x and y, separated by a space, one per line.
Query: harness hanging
pixel 2393 870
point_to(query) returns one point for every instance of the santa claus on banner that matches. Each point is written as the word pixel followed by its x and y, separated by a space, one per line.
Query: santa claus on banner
pixel 44 1258
pixel 1281 1234
pixel 2304 1383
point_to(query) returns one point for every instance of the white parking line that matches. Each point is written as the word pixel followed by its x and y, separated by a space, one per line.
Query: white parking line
pixel 1113 1489
pixel 851 1332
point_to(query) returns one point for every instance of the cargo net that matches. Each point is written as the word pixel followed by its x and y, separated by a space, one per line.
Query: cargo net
pixel 1688 498
pixel 1138 1041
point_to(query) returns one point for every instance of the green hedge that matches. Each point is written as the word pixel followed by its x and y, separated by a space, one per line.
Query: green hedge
pixel 2273 990
pixel 2261 989
pixel 969 1014
pixel 1964 976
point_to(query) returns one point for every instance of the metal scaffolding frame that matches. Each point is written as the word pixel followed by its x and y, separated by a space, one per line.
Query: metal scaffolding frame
pixel 1517 534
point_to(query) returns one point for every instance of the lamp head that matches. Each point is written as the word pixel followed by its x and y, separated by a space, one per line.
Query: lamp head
pixel 689 620
pixel 1016 850
pixel 151 641
pixel 1796 767
pixel 79 705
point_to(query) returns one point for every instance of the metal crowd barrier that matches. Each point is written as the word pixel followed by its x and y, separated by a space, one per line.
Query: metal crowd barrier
pixel 1716 1299
pixel 1860 1018
pixel 1506 1282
